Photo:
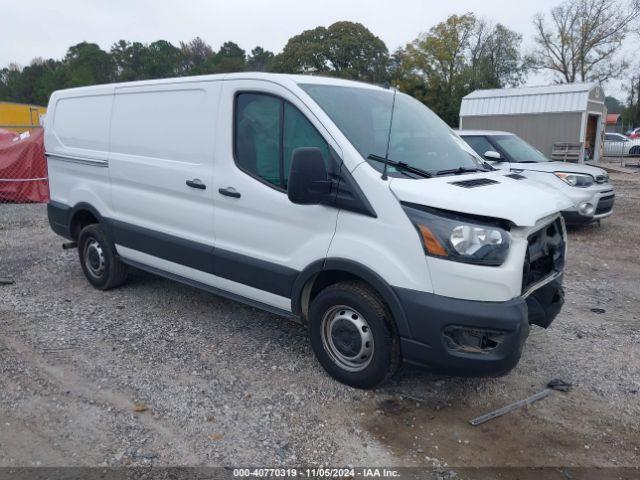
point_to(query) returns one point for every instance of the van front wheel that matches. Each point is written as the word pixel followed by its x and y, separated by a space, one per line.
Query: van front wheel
pixel 98 259
pixel 352 335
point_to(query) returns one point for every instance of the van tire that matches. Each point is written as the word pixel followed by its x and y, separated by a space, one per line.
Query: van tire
pixel 340 303
pixel 98 259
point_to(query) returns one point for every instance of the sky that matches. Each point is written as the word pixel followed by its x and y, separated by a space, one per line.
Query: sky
pixel 46 28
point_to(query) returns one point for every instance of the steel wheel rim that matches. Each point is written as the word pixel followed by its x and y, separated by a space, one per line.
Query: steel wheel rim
pixel 347 338
pixel 94 258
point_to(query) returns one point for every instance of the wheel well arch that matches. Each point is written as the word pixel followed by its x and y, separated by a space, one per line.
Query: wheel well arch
pixel 81 215
pixel 323 273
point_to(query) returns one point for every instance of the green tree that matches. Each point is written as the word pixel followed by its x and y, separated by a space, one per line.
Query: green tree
pixel 631 112
pixel 305 53
pixel 87 64
pixel 196 57
pixel 129 60
pixel 260 60
pixel 10 83
pixel 160 60
pixel 137 61
pixel 495 58
pixel 355 52
pixel 455 57
pixel 54 77
pixel 613 104
pixel 230 58
pixel 34 83
pixel 344 49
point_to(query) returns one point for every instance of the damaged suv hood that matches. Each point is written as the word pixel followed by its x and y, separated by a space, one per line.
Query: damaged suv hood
pixel 522 202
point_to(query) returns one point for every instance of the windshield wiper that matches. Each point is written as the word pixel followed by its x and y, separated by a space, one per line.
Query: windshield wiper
pixel 459 170
pixel 400 166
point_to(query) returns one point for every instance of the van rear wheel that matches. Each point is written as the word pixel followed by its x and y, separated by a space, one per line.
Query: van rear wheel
pixel 98 259
pixel 352 335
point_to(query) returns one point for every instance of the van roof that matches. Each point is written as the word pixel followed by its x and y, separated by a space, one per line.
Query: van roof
pixel 280 78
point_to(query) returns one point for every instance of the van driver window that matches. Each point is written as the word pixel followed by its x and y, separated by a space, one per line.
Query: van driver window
pixel 267 131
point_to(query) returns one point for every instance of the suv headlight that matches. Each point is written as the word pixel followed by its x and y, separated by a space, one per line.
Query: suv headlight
pixel 576 179
pixel 454 237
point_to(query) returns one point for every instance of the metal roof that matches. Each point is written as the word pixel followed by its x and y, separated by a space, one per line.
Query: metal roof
pixel 573 97
pixel 612 118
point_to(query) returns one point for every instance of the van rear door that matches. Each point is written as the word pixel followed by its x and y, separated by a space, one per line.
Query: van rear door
pixel 161 167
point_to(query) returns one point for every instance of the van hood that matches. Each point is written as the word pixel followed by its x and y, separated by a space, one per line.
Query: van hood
pixel 559 167
pixel 522 202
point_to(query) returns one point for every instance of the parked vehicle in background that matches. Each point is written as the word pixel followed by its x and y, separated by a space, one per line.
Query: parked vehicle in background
pixel 634 133
pixel 285 192
pixel 588 187
pixel 616 144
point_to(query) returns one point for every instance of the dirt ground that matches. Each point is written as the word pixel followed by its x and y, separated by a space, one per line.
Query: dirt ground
pixel 160 373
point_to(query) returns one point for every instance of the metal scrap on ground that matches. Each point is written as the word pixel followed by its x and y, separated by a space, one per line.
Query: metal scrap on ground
pixel 555 384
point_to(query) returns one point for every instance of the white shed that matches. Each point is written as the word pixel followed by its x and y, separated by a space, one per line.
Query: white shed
pixel 555 115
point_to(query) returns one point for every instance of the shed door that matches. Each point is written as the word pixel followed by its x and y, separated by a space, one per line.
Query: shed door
pixel 592 140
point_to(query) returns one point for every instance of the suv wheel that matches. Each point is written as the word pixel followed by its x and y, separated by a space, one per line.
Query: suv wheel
pixel 100 265
pixel 352 335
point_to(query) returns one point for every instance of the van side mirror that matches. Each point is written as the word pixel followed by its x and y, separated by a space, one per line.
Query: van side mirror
pixel 493 156
pixel 309 182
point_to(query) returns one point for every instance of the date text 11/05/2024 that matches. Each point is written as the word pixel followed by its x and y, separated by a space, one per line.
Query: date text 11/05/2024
pixel 342 473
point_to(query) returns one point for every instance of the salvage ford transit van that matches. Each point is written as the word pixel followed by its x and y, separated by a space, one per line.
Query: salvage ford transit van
pixel 350 207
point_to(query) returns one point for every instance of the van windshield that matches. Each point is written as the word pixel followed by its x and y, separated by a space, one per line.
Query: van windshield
pixel 418 137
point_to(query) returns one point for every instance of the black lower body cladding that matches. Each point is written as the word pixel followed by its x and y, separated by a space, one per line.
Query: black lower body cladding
pixel 545 303
pixel 446 335
pixel 259 274
pixel 58 215
pixel 473 338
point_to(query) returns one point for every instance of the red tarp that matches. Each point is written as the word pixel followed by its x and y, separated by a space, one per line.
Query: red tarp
pixel 23 169
pixel 7 134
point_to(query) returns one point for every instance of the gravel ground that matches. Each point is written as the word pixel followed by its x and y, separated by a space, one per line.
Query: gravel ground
pixel 160 373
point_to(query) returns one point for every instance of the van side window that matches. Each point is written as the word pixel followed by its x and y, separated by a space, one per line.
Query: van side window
pixel 298 133
pixel 267 131
pixel 480 144
pixel 257 131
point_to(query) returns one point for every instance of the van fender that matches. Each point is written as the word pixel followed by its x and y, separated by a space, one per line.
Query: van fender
pixel 105 224
pixel 357 269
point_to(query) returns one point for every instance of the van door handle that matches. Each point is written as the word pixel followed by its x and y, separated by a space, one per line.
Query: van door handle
pixel 229 192
pixel 196 183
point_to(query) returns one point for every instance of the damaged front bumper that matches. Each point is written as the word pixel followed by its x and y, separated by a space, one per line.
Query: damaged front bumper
pixel 473 338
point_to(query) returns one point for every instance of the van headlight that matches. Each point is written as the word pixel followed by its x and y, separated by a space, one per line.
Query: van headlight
pixel 576 179
pixel 455 237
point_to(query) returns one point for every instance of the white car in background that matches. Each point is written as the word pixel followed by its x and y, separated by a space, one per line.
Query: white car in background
pixel 618 144
pixel 588 187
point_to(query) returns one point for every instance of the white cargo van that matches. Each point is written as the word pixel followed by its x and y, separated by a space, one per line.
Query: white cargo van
pixel 350 207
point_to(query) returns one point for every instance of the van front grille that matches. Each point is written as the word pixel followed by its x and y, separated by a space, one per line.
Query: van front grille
pixel 545 254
